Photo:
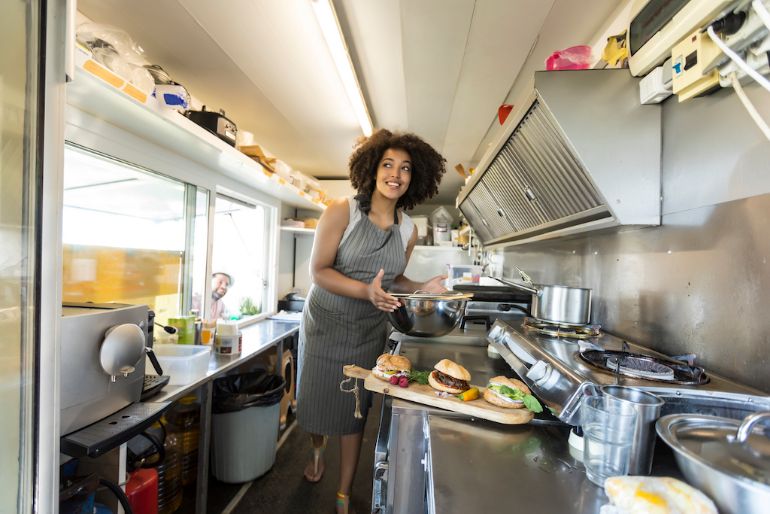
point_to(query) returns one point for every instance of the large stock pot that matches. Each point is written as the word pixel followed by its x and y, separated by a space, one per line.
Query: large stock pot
pixel 555 303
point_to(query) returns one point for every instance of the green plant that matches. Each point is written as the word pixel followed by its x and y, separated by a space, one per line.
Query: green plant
pixel 248 308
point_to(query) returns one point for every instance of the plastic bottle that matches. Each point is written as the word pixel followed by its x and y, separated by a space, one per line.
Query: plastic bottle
pixel 184 422
pixel 169 471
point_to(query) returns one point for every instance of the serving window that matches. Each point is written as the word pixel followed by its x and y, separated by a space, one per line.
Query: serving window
pixel 131 235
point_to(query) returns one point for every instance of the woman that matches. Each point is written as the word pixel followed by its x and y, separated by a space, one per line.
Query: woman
pixel 362 246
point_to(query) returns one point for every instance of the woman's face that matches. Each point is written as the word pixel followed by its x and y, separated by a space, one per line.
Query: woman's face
pixel 394 173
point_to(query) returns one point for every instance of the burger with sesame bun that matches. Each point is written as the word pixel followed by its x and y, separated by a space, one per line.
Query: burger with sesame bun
pixel 391 365
pixel 450 377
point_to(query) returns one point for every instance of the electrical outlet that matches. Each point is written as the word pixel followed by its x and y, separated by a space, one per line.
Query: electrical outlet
pixel 690 59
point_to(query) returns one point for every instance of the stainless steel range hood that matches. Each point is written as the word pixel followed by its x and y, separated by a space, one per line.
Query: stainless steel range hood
pixel 581 154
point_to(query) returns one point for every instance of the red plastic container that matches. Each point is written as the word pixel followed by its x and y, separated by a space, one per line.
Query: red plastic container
pixel 142 491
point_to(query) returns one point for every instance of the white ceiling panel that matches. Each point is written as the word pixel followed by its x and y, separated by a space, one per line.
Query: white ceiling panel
pixel 270 42
pixel 435 33
pixel 501 36
pixel 374 37
pixel 439 68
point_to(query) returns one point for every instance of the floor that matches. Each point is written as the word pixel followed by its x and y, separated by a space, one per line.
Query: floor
pixel 283 490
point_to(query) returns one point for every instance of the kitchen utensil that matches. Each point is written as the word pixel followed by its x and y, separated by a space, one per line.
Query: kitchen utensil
pixel 216 123
pixel 726 459
pixel 428 315
pixel 647 407
pixel 559 304
pixel 427 395
pixel 608 436
pixel 167 328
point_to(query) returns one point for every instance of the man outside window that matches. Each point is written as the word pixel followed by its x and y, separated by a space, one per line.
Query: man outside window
pixel 220 283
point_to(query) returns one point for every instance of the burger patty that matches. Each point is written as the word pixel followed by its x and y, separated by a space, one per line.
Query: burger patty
pixel 449 381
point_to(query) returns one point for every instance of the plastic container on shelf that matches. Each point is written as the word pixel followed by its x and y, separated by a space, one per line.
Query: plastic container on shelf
pixel 462 274
pixel 184 421
pixel 441 220
pixel 142 490
pixel 229 339
pixel 572 58
pixel 183 363
pixel 283 170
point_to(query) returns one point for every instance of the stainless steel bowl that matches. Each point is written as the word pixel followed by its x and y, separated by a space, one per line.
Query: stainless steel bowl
pixel 424 316
pixel 722 458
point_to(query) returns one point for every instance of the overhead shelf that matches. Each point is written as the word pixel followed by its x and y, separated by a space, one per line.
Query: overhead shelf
pixel 173 131
pixel 299 230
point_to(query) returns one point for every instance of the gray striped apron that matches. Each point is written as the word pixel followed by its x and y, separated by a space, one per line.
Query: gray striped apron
pixel 338 330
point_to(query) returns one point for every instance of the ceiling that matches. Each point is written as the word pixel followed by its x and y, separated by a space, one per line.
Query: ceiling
pixel 439 68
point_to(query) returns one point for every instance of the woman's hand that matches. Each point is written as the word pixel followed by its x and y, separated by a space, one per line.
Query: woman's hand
pixel 379 297
pixel 434 285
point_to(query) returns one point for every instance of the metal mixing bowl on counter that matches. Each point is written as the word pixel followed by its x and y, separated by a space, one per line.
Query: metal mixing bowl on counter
pixel 428 314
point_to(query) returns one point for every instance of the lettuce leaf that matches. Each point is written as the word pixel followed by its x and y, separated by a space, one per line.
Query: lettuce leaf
pixel 530 402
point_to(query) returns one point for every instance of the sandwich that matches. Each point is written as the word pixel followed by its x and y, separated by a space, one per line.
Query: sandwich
pixel 391 365
pixel 510 393
pixel 449 377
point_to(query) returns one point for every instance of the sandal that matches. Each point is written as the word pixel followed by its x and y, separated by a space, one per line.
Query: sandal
pixel 314 470
pixel 343 503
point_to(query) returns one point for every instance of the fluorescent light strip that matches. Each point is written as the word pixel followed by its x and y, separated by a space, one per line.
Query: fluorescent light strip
pixel 330 28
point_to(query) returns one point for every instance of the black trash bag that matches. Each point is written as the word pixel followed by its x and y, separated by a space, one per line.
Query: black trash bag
pixel 254 389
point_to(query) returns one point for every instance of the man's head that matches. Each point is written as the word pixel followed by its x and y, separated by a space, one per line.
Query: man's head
pixel 220 282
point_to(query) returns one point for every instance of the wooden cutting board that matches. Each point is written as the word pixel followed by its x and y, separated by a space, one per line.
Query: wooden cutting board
pixel 425 394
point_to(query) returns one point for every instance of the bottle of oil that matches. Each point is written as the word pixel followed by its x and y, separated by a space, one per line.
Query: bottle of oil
pixel 169 470
pixel 184 423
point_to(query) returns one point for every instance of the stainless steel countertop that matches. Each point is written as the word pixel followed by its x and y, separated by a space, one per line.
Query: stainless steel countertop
pixel 256 339
pixel 481 466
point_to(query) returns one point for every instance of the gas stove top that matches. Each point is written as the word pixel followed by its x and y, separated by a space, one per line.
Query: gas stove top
pixel 560 369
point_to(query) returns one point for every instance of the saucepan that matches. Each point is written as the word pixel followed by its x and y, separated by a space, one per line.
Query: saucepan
pixel 428 314
pixel 554 303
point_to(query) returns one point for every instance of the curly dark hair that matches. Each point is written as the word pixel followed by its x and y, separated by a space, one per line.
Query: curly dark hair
pixel 427 167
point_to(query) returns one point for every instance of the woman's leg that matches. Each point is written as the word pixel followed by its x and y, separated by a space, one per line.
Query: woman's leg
pixel 315 468
pixel 350 449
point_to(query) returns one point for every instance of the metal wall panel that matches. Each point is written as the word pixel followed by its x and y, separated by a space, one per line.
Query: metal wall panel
pixel 700 283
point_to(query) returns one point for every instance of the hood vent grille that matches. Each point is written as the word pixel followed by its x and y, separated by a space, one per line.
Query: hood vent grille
pixel 535 183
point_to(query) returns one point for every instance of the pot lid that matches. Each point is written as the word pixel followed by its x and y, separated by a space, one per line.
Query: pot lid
pixel 729 446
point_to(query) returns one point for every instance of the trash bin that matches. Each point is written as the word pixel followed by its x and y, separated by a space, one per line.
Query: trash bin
pixel 246 411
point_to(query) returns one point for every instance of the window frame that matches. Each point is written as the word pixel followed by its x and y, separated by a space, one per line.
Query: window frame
pixel 94 135
pixel 271 259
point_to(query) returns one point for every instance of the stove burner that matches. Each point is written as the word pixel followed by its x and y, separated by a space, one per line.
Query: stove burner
pixel 645 367
pixel 562 329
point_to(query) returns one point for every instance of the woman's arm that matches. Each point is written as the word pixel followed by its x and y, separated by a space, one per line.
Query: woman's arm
pixel 327 239
pixel 401 284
